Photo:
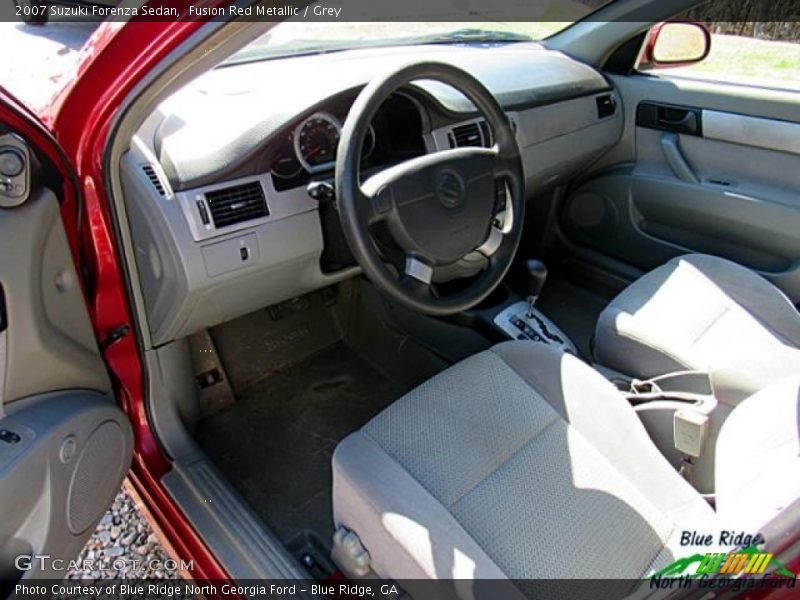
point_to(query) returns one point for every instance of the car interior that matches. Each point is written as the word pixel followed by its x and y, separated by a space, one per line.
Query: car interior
pixel 423 309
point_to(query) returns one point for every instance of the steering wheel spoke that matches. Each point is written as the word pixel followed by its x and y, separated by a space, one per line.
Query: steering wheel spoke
pixel 492 242
pixel 418 269
pixel 376 202
pixel 417 279
pixel 505 168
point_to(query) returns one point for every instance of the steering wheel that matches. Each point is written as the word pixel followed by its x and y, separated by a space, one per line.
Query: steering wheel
pixel 439 207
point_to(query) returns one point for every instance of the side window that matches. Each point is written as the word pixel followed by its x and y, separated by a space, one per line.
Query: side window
pixel 753 42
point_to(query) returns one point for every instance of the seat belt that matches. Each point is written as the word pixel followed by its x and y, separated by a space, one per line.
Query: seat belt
pixel 689 431
pixel 645 390
pixel 689 426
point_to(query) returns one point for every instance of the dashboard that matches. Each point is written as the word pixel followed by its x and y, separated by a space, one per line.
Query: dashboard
pixel 215 181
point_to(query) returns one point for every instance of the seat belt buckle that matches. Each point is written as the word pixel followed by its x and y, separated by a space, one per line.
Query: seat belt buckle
pixel 643 386
pixel 690 429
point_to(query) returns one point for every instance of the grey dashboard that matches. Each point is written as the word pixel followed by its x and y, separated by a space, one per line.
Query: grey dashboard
pixel 215 180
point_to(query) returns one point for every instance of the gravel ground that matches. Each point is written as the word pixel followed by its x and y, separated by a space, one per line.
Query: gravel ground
pixel 124 547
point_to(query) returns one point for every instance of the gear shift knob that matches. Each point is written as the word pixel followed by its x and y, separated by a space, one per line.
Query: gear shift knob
pixel 536 275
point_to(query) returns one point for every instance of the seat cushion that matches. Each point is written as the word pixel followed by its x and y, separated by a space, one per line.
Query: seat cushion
pixel 518 462
pixel 704 313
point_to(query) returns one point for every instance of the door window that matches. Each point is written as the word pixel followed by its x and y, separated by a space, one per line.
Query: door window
pixel 753 42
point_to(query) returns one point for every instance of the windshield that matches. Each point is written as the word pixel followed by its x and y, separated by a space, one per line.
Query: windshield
pixel 303 37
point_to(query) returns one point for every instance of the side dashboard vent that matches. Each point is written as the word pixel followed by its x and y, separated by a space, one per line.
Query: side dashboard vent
pixel 471 134
pixel 152 175
pixel 237 204
pixel 606 106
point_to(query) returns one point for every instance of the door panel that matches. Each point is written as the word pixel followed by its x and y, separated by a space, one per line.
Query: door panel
pixel 701 167
pixel 65 446
pixel 58 477
pixel 45 309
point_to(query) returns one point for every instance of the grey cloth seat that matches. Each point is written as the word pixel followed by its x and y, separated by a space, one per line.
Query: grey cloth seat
pixel 704 313
pixel 519 462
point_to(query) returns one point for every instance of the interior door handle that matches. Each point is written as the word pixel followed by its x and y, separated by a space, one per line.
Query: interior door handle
pixel 688 122
pixel 675 159
pixel 667 117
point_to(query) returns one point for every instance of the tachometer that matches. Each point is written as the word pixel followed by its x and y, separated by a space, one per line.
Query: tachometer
pixel 315 141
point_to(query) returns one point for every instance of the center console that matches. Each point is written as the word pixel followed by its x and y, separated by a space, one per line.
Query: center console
pixel 522 321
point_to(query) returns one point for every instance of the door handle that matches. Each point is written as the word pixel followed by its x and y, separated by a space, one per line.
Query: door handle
pixel 685 124
pixel 667 117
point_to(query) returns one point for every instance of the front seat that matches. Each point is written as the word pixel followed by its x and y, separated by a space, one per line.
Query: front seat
pixel 702 313
pixel 524 463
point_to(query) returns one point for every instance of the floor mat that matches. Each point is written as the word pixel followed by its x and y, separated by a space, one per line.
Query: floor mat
pixel 275 443
pixel 573 308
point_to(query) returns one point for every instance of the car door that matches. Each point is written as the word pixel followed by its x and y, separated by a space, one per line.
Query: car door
pixel 65 446
pixel 702 166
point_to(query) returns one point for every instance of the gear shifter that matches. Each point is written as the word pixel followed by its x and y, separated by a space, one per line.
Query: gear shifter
pixel 536 275
pixel 523 321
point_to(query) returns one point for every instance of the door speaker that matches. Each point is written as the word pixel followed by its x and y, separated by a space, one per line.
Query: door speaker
pixel 588 210
pixel 95 480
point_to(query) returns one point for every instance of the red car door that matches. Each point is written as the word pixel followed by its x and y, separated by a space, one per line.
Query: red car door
pixel 72 413
pixel 65 445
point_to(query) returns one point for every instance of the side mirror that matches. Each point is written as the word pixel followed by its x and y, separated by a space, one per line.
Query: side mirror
pixel 676 45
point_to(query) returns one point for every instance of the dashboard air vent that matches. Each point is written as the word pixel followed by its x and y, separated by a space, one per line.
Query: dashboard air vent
pixel 237 203
pixel 471 134
pixel 606 106
pixel 151 174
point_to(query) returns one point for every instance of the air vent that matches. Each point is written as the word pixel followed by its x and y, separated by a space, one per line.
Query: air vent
pixel 471 134
pixel 150 172
pixel 237 203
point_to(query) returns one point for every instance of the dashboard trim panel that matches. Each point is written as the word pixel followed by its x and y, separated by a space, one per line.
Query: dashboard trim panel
pixel 195 275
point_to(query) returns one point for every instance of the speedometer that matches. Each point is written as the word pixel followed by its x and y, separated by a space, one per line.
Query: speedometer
pixel 315 141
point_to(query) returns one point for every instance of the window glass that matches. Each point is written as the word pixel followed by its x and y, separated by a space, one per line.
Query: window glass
pixel 298 36
pixel 753 42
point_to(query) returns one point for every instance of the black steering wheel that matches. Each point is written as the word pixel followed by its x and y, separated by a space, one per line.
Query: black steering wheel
pixel 438 208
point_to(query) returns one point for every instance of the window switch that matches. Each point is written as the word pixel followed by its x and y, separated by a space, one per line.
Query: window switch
pixel 244 253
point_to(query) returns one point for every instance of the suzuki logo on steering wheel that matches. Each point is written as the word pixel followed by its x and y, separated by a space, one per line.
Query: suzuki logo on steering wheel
pixel 449 188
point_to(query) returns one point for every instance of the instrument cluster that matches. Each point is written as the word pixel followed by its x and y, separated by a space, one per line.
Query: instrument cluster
pixel 311 147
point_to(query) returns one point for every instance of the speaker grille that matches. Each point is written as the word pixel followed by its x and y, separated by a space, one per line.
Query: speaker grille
pixel 588 210
pixel 95 479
